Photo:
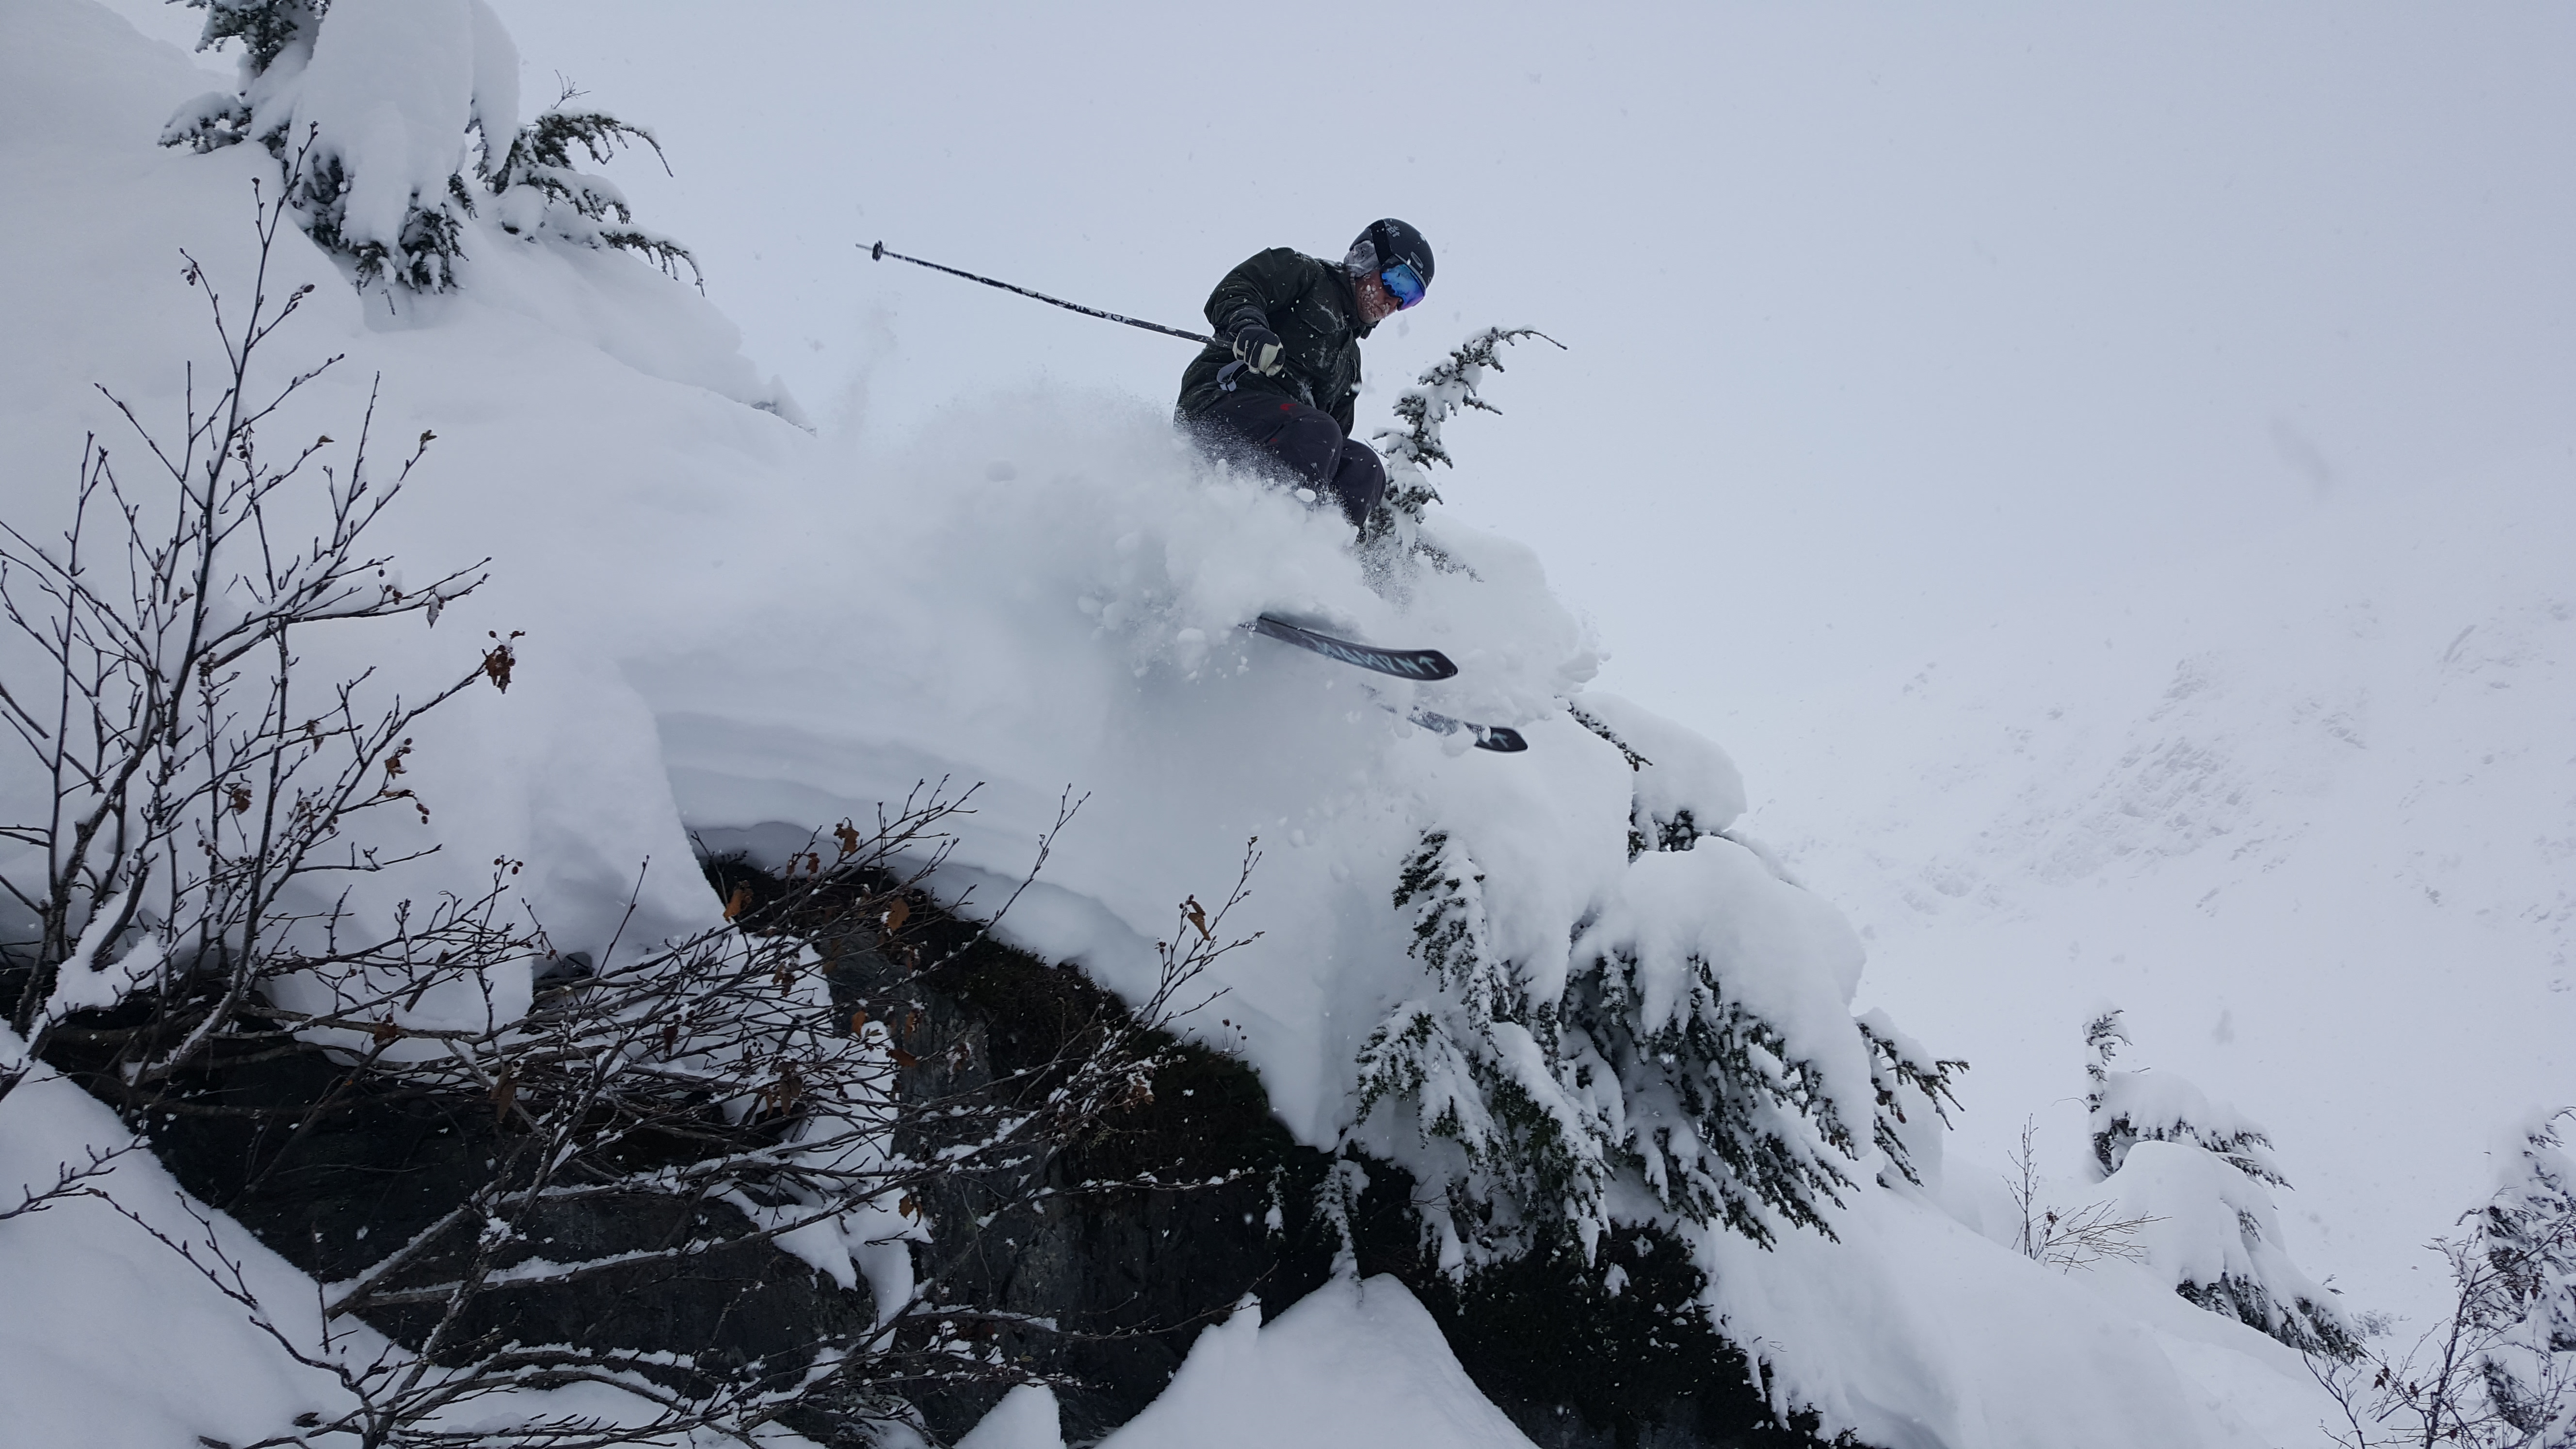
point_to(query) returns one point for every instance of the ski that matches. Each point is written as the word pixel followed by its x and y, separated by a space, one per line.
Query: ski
pixel 1418 664
pixel 1501 739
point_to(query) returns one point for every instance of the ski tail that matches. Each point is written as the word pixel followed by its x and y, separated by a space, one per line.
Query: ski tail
pixel 1501 739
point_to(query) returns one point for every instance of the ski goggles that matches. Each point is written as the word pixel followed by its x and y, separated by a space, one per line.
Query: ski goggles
pixel 1404 283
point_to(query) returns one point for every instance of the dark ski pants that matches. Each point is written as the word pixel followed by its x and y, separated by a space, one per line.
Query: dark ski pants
pixel 1303 441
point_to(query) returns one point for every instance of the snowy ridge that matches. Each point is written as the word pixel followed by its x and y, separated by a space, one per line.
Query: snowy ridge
pixel 743 632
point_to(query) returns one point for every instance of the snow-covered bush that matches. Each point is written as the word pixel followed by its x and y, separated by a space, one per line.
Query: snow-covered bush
pixel 2524 1293
pixel 189 794
pixel 1686 1054
pixel 2195 1176
pixel 1684 1057
pixel 396 120
pixel 2499 1370
pixel 1644 1064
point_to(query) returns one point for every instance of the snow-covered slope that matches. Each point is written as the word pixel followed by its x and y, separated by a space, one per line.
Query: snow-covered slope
pixel 738 629
pixel 2303 810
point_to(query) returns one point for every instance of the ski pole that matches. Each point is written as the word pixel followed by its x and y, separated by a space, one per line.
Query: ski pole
pixel 879 253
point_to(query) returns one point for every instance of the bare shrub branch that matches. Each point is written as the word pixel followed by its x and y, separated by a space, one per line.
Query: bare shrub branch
pixel 2498 1370
pixel 2072 1239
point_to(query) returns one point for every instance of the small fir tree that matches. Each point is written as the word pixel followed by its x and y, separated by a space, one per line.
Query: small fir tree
pixel 2126 1108
pixel 1445 389
pixel 2197 1176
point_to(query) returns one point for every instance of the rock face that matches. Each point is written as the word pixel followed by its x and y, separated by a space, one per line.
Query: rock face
pixel 1585 1356
pixel 331 1176
pixel 1613 1353
pixel 1127 1268
pixel 1183 1202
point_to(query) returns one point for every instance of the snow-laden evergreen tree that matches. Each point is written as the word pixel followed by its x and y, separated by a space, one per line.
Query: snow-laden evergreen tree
pixel 2126 1108
pixel 397 121
pixel 1686 1056
pixel 2196 1175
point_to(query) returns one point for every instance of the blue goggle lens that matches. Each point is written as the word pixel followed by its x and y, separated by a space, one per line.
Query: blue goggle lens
pixel 1404 283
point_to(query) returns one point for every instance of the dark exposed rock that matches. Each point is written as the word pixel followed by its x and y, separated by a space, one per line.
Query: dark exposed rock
pixel 1614 1352
pixel 1129 1273
pixel 332 1176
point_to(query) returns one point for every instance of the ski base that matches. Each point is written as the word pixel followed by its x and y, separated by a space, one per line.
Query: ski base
pixel 1415 664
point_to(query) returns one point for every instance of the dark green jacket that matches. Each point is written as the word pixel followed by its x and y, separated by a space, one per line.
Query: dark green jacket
pixel 1316 312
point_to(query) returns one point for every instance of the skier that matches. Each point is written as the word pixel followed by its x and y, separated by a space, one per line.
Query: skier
pixel 1281 379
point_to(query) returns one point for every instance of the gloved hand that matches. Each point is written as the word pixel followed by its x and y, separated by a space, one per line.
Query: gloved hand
pixel 1258 348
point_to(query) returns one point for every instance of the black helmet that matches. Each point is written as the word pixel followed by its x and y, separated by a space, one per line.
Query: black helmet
pixel 1390 241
